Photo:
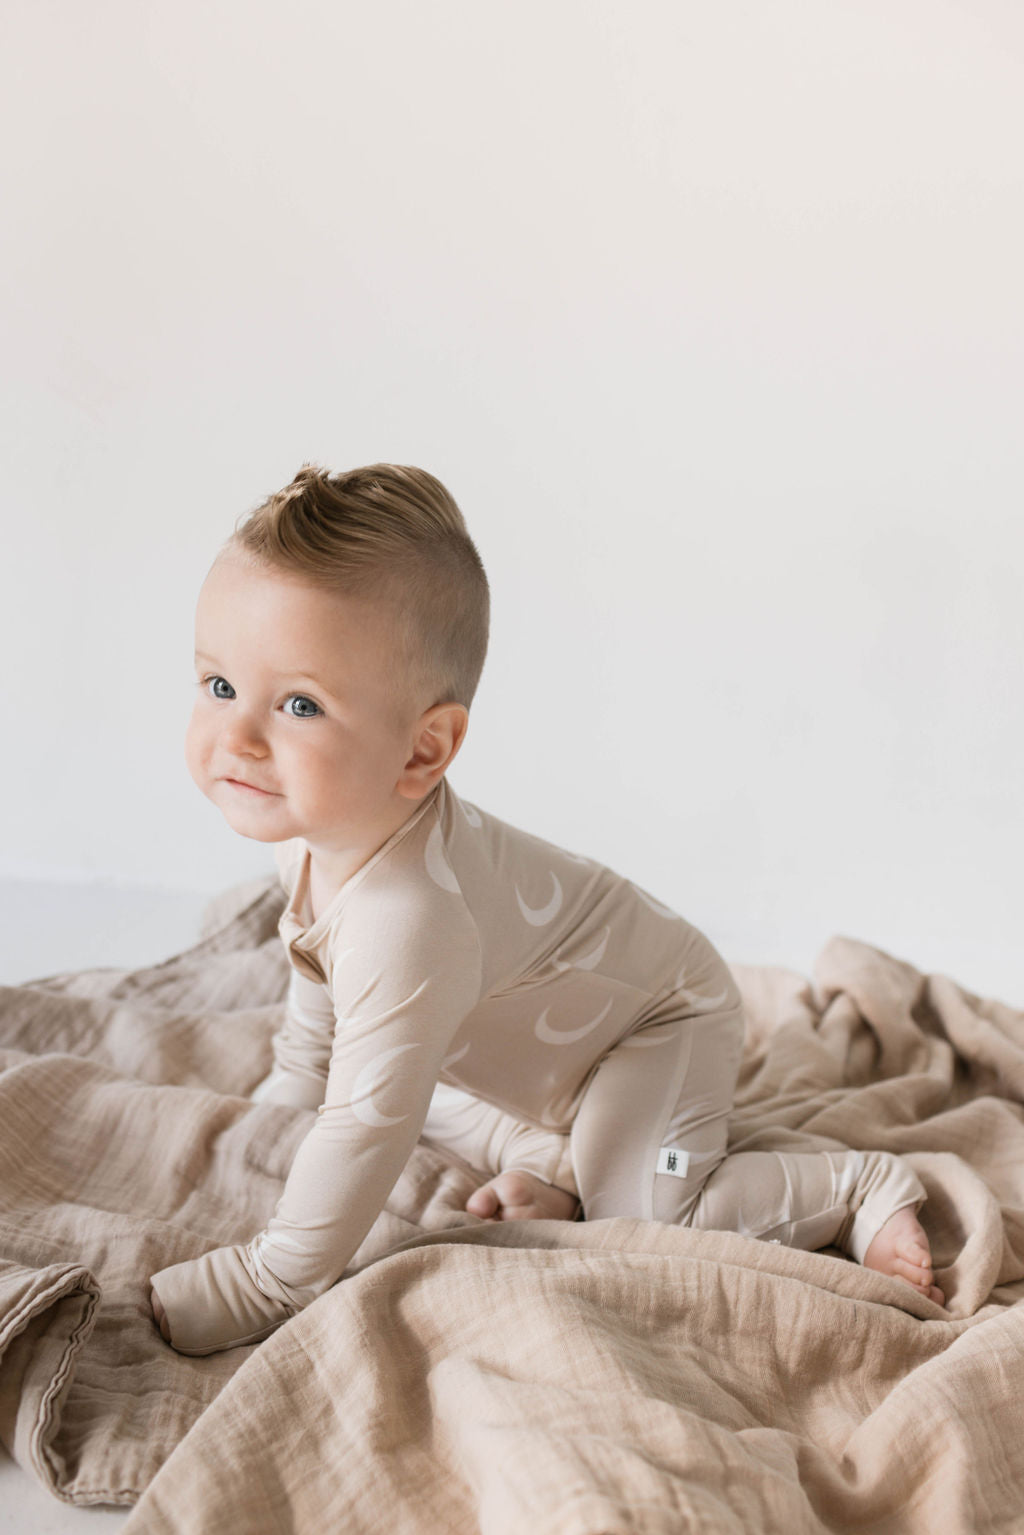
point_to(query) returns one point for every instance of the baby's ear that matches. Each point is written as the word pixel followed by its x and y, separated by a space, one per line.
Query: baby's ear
pixel 440 733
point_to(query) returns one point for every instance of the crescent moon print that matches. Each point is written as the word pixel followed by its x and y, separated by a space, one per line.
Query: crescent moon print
pixel 552 1036
pixel 450 1060
pixel 472 814
pixel 437 865
pixel 663 911
pixel 700 1003
pixel 540 916
pixel 588 961
pixel 367 1082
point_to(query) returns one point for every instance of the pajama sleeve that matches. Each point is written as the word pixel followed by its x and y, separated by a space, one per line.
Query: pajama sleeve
pixel 402 983
pixel 302 1047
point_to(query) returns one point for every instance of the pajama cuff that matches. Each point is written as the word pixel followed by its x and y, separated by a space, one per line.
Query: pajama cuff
pixel 212 1303
pixel 549 1160
pixel 889 1184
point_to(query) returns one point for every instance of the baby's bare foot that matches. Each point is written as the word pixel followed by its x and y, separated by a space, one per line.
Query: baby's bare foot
pixel 901 1249
pixel 519 1196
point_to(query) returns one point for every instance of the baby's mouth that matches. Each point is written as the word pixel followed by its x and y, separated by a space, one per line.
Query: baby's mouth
pixel 250 788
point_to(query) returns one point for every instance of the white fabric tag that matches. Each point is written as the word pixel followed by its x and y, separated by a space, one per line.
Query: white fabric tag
pixel 671 1160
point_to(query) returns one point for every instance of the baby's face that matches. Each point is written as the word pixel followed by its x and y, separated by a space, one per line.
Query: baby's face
pixel 292 733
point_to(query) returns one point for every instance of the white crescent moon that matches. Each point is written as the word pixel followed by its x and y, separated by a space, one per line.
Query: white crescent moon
pixel 567 1036
pixel 693 998
pixel 540 916
pixel 663 911
pixel 437 865
pixel 367 1082
pixel 472 814
pixel 588 961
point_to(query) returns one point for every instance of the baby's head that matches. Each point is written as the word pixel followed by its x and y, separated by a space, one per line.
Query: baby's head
pixel 340 637
pixel 392 537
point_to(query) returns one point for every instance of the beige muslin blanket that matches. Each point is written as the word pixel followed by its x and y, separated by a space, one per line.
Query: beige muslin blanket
pixel 549 1377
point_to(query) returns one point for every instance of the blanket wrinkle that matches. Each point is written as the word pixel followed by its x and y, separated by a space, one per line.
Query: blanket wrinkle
pixel 564 1377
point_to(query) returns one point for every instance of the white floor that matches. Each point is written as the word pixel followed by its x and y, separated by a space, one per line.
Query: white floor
pixel 28 1509
pixel 44 929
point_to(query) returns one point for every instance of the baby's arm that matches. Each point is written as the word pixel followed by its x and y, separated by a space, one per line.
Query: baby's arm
pixel 389 1047
pixel 302 1047
pixel 376 1102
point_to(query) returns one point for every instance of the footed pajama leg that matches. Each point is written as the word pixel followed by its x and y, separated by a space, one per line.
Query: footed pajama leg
pixel 650 1141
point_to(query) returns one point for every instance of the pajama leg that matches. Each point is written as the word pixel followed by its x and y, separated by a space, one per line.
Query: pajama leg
pixel 807 1199
pixel 495 1142
pixel 650 1141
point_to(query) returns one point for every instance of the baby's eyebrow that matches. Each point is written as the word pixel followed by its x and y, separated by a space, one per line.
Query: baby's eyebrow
pixel 296 676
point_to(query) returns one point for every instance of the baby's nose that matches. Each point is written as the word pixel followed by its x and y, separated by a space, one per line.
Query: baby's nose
pixel 241 734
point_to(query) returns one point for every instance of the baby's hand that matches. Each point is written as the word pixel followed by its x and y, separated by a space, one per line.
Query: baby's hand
pixel 212 1303
pixel 160 1315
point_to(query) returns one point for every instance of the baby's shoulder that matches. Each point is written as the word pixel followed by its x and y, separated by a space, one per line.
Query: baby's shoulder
pixel 398 935
pixel 409 898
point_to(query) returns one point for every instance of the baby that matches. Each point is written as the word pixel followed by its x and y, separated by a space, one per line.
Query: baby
pixel 452 976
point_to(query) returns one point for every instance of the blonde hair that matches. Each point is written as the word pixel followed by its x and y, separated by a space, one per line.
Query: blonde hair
pixel 386 533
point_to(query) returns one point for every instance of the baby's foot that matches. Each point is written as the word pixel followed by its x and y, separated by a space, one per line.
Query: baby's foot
pixel 901 1249
pixel 519 1196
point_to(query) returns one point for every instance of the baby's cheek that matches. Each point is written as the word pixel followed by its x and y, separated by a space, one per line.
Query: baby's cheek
pixel 196 751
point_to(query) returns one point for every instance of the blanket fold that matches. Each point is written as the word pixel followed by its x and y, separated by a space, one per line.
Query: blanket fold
pixel 46 1316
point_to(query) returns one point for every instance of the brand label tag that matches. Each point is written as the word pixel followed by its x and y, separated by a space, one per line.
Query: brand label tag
pixel 673 1161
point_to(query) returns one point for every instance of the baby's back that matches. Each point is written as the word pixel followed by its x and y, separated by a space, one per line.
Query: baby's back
pixel 574 958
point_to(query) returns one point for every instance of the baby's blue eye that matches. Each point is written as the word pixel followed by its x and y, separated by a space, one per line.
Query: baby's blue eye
pixel 305 708
pixel 219 687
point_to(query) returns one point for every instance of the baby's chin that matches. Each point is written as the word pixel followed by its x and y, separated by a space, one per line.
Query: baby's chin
pixel 260 836
pixel 246 826
pixel 259 821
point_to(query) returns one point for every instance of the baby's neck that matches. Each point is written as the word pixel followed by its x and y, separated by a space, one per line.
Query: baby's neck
pixel 330 869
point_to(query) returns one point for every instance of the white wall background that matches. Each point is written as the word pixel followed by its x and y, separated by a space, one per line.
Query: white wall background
pixel 710 318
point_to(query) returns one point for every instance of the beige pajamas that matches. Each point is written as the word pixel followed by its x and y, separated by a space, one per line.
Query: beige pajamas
pixel 525 1007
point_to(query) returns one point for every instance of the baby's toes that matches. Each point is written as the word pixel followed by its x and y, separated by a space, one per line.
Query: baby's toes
pixel 915 1257
pixel 920 1277
pixel 929 1291
pixel 484 1202
pixel 520 1213
pixel 922 1289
